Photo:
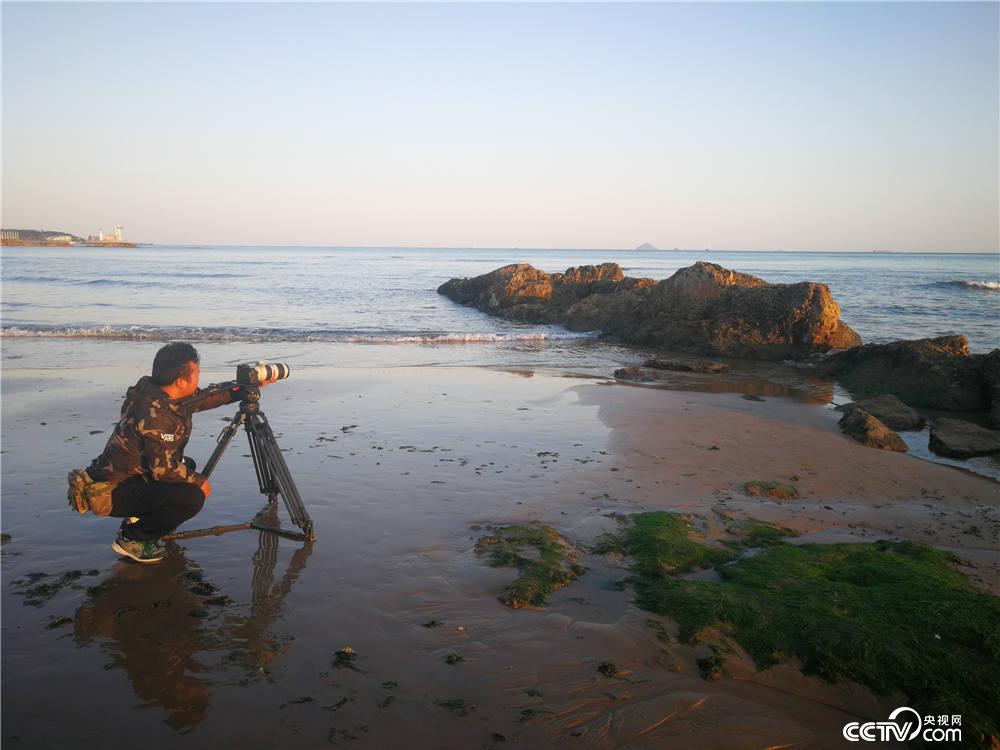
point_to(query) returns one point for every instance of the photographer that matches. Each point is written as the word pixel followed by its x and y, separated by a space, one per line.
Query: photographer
pixel 155 487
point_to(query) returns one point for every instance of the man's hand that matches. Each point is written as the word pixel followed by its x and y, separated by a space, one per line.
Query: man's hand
pixel 267 382
pixel 206 487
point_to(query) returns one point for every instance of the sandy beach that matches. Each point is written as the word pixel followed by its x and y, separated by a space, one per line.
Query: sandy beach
pixel 644 385
pixel 233 641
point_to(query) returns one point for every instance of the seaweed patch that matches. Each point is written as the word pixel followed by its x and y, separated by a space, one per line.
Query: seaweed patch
pixel 893 616
pixel 544 559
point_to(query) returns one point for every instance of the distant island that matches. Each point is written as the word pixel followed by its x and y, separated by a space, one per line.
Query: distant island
pixel 647 246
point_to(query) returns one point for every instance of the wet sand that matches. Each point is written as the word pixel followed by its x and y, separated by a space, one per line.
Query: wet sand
pixel 232 641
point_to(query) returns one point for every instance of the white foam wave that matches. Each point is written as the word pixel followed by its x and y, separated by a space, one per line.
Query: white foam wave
pixel 992 286
pixel 148 333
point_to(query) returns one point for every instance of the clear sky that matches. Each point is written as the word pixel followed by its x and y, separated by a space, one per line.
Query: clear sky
pixel 813 126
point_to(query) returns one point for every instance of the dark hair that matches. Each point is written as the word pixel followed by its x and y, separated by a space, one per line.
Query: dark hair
pixel 173 361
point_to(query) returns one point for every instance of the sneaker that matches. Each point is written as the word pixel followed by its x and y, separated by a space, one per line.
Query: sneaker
pixel 144 552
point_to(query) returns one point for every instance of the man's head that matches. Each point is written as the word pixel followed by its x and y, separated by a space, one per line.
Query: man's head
pixel 175 369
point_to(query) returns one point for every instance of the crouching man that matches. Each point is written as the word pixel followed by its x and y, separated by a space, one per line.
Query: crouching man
pixel 156 488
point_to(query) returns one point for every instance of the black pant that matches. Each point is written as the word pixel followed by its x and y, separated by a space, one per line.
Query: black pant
pixel 160 506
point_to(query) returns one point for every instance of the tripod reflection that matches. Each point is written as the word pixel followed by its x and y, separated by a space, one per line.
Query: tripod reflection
pixel 165 625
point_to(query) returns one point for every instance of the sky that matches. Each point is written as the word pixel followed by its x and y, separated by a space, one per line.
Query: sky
pixel 748 126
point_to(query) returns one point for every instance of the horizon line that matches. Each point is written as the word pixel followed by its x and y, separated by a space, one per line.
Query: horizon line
pixel 568 248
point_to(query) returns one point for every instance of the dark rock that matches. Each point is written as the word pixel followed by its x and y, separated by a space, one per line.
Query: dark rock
pixel 991 383
pixel 930 373
pixel 681 365
pixel 751 397
pixel 608 669
pixel 956 438
pixel 702 309
pixel 346 658
pixel 890 411
pixel 869 431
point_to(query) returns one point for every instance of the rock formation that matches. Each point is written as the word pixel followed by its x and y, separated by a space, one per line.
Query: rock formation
pixel 956 438
pixel 522 292
pixel 890 411
pixel 703 308
pixel 869 431
pixel 930 373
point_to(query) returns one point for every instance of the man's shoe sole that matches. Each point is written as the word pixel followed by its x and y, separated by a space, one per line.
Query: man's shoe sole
pixel 124 553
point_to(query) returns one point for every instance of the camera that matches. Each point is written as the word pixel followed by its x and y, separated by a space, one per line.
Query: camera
pixel 255 373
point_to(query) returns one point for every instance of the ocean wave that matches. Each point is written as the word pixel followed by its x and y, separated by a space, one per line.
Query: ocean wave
pixel 120 282
pixel 41 279
pixel 989 286
pixel 181 274
pixel 256 335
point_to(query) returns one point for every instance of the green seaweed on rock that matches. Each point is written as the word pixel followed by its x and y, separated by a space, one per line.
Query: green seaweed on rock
pixel 893 616
pixel 545 560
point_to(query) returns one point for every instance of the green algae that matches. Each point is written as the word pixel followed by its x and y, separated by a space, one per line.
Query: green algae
pixel 545 560
pixel 659 543
pixel 893 616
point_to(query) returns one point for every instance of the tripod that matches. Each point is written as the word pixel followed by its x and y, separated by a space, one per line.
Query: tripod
pixel 273 476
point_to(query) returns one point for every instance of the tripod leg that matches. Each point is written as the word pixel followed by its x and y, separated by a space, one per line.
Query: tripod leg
pixel 222 442
pixel 265 477
pixel 272 465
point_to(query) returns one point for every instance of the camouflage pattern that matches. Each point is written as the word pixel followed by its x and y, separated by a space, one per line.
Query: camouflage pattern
pixel 150 437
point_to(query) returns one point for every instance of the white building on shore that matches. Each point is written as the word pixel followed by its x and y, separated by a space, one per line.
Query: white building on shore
pixel 102 237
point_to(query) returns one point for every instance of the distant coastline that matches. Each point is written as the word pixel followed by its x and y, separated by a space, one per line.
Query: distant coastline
pixel 49 243
pixel 51 238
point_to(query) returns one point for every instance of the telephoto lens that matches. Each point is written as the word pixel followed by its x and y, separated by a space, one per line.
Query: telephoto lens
pixel 255 373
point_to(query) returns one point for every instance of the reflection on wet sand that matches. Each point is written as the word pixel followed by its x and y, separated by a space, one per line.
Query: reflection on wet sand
pixel 794 385
pixel 160 624
pixel 258 645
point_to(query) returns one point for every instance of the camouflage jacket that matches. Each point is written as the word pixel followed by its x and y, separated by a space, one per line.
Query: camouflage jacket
pixel 149 438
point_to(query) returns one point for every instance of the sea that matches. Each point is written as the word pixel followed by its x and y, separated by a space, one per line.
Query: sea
pixel 379 307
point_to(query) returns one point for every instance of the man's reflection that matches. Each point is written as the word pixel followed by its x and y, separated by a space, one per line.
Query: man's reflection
pixel 154 622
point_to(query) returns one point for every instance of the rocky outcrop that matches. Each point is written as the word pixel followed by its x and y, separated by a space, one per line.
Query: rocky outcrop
pixel 522 292
pixel 867 430
pixel 956 438
pixel 930 373
pixel 890 411
pixel 704 308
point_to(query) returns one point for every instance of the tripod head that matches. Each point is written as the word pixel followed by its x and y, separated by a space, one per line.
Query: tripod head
pixel 250 398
